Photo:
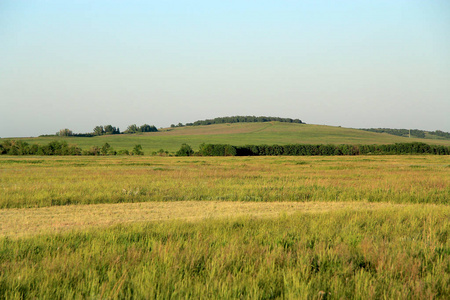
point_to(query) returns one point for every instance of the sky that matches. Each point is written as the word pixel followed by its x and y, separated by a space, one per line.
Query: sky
pixel 361 64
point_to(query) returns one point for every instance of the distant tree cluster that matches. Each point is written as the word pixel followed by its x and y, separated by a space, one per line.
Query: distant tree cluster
pixel 14 147
pixel 443 134
pixel 144 128
pixel 107 129
pixel 239 119
pixel 104 130
pixel 312 150
pixel 64 132
pixel 405 132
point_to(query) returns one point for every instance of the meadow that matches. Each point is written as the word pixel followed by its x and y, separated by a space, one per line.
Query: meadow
pixel 63 180
pixel 364 227
pixel 237 134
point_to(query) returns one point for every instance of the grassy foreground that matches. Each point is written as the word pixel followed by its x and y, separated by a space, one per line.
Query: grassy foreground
pixel 396 253
pixel 373 227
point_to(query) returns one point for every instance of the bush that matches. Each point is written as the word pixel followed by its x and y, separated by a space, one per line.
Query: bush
pixel 185 150
pixel 137 150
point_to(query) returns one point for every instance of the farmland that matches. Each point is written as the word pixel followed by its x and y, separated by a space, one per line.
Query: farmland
pixel 238 134
pixel 225 227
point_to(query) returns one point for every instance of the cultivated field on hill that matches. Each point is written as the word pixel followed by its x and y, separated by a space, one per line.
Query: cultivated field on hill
pixel 225 227
pixel 238 134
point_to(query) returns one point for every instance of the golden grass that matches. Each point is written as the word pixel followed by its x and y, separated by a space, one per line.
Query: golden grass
pixel 15 223
pixel 50 181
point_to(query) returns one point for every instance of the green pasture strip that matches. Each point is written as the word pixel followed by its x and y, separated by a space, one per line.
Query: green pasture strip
pixel 395 253
pixel 49 181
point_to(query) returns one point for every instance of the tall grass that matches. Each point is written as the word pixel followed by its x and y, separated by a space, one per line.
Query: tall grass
pixel 397 253
pixel 49 181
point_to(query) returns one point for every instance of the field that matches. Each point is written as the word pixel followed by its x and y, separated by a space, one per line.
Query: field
pixel 238 134
pixel 364 227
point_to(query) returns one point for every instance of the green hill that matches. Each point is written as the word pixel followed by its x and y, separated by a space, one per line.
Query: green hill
pixel 270 133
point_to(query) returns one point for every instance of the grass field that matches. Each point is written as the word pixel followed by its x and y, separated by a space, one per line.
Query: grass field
pixel 49 181
pixel 365 227
pixel 239 134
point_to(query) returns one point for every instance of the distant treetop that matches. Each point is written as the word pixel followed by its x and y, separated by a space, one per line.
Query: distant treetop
pixel 414 133
pixel 239 119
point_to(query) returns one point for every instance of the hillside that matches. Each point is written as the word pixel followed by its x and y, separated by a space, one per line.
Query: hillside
pixel 269 133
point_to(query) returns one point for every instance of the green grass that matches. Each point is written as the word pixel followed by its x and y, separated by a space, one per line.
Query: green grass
pixel 50 181
pixel 380 229
pixel 239 134
pixel 397 253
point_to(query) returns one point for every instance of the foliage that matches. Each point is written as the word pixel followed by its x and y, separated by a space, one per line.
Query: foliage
pixel 107 150
pixel 147 128
pixel 19 147
pixel 65 132
pixel 107 129
pixel 239 119
pixel 300 149
pixel 185 150
pixel 216 150
pixel 414 132
pixel 144 128
pixel 137 150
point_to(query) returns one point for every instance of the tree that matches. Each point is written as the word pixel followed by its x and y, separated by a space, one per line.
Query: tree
pixel 185 150
pixel 109 129
pixel 132 129
pixel 137 150
pixel 65 132
pixel 105 149
pixel 147 128
pixel 99 130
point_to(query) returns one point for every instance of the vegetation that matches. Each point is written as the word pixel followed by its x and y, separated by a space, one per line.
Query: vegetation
pixel 185 150
pixel 144 128
pixel 108 129
pixel 18 147
pixel 239 119
pixel 349 240
pixel 49 180
pixel 65 132
pixel 414 132
pixel 237 134
pixel 296 150
pixel 398 253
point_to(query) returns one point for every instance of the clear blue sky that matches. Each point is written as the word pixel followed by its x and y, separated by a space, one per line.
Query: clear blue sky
pixel 78 64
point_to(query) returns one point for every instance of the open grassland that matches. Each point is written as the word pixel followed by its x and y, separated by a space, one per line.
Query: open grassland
pixel 392 253
pixel 49 181
pixel 365 227
pixel 238 134
pixel 20 222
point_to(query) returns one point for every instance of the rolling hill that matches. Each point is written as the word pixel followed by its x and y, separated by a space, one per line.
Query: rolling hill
pixel 270 133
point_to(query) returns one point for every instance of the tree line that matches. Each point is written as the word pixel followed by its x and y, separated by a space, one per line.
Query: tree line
pixel 405 132
pixel 105 130
pixel 238 119
pixel 17 147
pixel 312 150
